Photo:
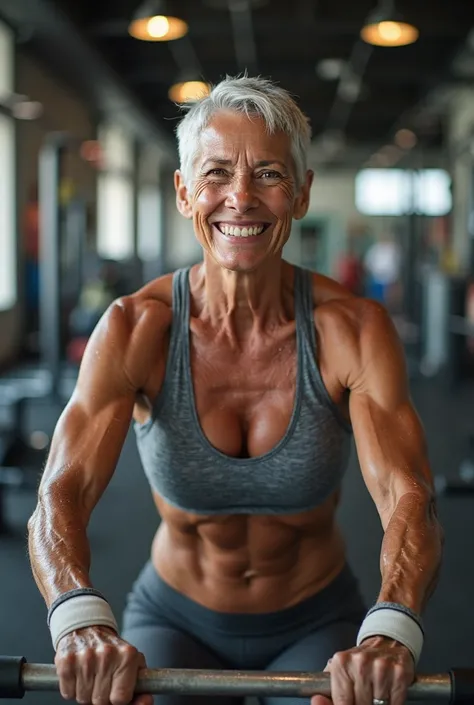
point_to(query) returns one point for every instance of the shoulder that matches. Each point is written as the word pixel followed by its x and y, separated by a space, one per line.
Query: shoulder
pixel 132 332
pixel 152 303
pixel 354 332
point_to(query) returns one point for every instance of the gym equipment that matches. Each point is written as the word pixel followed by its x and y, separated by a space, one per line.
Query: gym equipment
pixel 17 677
pixel 20 461
pixel 20 466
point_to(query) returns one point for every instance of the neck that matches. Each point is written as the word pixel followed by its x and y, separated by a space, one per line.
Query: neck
pixel 242 303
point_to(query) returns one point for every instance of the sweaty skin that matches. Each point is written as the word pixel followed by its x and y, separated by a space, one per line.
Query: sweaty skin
pixel 242 335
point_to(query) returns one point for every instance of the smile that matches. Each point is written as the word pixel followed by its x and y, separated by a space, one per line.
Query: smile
pixel 249 230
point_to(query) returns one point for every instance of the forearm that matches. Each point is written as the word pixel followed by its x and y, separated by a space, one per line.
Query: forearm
pixel 58 546
pixel 411 552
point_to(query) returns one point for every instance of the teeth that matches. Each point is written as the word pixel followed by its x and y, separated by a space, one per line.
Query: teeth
pixel 240 232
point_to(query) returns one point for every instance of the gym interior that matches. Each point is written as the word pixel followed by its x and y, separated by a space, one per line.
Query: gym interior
pixel 89 103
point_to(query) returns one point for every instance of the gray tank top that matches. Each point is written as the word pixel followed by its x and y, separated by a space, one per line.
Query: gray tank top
pixel 299 473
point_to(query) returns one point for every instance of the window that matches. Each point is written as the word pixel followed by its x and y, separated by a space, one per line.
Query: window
pixel 115 216
pixel 149 222
pixel 115 197
pixel 400 192
pixel 8 238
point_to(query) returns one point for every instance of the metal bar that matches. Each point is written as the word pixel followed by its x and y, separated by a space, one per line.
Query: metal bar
pixel 42 677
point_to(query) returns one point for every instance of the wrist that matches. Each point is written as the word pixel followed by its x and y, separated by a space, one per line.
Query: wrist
pixel 379 641
pixel 396 623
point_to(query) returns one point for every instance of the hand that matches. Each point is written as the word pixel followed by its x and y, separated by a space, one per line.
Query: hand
pixel 379 668
pixel 96 667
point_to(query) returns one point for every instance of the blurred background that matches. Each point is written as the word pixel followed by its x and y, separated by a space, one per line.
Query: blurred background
pixel 89 101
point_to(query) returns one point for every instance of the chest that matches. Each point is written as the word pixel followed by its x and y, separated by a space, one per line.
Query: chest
pixel 244 396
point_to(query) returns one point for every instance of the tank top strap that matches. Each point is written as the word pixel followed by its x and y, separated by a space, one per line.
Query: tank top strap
pixel 176 371
pixel 304 310
pixel 181 300
pixel 313 384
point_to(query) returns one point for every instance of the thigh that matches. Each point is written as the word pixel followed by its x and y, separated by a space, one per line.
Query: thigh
pixel 312 653
pixel 166 647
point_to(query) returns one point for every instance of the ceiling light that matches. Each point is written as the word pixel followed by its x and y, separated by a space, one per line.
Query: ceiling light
pixel 151 23
pixel 386 28
pixel 188 91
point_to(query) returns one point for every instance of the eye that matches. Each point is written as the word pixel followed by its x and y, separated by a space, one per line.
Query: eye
pixel 270 175
pixel 216 172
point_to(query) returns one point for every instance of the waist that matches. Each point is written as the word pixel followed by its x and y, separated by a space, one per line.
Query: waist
pixel 340 599
pixel 269 571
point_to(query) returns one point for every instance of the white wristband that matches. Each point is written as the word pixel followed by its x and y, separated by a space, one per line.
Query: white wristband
pixel 79 612
pixel 396 625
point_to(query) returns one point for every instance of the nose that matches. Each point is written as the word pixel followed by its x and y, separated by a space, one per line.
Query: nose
pixel 241 196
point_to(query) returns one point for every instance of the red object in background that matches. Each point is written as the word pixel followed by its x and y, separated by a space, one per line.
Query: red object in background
pixel 75 350
pixel 350 273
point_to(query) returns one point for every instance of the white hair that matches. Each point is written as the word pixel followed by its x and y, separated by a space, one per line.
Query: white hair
pixel 252 97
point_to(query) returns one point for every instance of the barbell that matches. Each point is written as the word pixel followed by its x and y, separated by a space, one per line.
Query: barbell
pixel 17 676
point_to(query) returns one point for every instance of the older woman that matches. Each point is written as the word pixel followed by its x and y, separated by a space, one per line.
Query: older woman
pixel 246 377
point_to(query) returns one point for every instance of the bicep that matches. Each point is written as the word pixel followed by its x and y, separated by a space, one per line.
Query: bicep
pixel 90 433
pixel 388 433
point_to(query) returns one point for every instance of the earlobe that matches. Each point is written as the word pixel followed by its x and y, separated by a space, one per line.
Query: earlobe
pixel 183 203
pixel 302 201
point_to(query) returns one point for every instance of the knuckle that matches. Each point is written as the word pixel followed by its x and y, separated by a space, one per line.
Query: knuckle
pixel 345 699
pixel 100 699
pixel 128 652
pixel 87 658
pixel 66 692
pixel 121 696
pixel 381 664
pixel 107 654
pixel 339 659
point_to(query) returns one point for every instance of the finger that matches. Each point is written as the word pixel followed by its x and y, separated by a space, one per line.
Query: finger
pixel 360 672
pixel 124 681
pixel 342 685
pixel 66 670
pixel 142 699
pixel 85 676
pixel 400 680
pixel 102 687
pixel 382 680
pixel 320 700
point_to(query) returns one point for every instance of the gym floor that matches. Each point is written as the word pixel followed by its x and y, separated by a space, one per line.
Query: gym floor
pixel 125 521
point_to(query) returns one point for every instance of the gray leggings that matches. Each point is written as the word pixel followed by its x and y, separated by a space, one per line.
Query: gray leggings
pixel 173 631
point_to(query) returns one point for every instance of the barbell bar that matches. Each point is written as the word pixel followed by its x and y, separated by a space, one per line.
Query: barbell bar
pixel 17 676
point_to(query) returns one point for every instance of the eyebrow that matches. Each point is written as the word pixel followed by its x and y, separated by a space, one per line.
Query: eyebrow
pixel 228 162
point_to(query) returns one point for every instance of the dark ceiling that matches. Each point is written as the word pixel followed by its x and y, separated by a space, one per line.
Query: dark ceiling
pixel 285 40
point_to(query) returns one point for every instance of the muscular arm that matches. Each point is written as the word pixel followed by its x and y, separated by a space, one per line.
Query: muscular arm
pixel 85 449
pixel 393 457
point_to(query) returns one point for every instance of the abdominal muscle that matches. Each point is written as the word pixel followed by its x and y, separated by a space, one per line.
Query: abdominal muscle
pixel 248 563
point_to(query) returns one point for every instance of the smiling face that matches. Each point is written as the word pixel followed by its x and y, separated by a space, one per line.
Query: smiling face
pixel 243 195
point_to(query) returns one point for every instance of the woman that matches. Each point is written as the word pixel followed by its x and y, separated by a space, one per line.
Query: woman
pixel 245 377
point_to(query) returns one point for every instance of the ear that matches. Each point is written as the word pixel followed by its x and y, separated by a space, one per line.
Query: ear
pixel 301 204
pixel 183 201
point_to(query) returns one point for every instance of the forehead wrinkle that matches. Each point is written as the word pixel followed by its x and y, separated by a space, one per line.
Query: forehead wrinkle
pixel 225 146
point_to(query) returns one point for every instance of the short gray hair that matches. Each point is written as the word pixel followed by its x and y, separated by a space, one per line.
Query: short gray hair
pixel 250 96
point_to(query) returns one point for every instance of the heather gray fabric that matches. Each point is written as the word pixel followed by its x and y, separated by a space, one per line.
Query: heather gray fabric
pixel 299 473
pixel 173 631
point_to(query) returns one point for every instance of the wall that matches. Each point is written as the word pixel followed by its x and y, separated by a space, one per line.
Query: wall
pixel 62 111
